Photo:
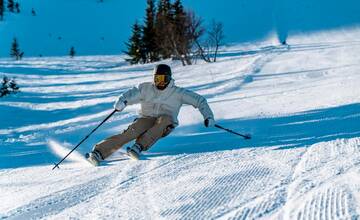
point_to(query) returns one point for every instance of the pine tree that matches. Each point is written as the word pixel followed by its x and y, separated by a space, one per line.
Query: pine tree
pixel 179 17
pixel 163 27
pixel 168 32
pixel 135 46
pixel 180 35
pixel 11 5
pixel 8 86
pixel 1 10
pixel 4 90
pixel 17 7
pixel 15 51
pixel 149 36
pixel 14 88
pixel 72 52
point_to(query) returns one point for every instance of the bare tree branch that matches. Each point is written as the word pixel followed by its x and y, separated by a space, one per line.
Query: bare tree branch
pixel 216 36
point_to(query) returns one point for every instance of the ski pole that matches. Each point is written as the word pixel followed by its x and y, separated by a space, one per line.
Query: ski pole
pixel 107 118
pixel 246 136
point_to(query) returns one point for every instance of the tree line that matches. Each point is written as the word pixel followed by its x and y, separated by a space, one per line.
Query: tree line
pixel 12 6
pixel 17 54
pixel 170 31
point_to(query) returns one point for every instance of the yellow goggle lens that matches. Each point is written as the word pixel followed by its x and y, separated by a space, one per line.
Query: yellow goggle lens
pixel 159 79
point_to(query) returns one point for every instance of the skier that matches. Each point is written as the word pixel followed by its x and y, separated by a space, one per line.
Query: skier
pixel 160 103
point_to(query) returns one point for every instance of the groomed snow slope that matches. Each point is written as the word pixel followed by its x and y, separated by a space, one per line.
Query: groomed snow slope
pixel 301 104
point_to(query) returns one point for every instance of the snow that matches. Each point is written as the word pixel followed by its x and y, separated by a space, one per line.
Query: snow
pixel 301 105
pixel 62 151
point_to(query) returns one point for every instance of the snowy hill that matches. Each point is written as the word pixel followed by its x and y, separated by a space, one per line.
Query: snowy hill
pixel 301 105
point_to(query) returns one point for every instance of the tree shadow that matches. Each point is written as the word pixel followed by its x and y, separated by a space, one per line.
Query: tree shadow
pixel 64 70
pixel 298 130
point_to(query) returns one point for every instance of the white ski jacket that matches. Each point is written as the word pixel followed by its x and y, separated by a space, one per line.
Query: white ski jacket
pixel 155 102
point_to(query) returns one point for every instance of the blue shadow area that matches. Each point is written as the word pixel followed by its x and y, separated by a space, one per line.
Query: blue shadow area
pixel 303 129
pixel 299 130
pixel 18 153
pixel 24 68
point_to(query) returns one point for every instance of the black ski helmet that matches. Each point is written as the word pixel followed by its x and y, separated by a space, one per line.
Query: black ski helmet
pixel 165 71
pixel 162 69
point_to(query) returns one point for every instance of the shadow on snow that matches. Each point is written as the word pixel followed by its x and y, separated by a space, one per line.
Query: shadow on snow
pixel 302 129
pixel 297 130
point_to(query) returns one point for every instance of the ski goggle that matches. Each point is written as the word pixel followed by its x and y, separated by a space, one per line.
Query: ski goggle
pixel 161 80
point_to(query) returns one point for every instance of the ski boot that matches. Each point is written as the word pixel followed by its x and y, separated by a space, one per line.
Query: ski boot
pixel 134 151
pixel 94 157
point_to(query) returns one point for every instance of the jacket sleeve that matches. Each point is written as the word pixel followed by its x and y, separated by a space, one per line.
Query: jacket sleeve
pixel 199 102
pixel 131 96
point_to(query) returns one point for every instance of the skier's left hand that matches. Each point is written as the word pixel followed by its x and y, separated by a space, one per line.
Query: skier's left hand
pixel 209 122
pixel 119 105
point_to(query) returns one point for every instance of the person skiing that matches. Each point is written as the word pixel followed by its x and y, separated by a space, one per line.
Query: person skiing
pixel 160 102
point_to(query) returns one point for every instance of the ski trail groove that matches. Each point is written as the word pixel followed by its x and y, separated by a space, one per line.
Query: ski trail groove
pixel 259 207
pixel 121 190
pixel 57 202
pixel 207 202
pixel 330 204
pixel 316 182
pixel 272 201
pixel 148 172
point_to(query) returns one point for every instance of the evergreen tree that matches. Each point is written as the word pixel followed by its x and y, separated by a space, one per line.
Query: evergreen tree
pixel 1 10
pixel 4 90
pixel 8 86
pixel 72 52
pixel 14 88
pixel 11 5
pixel 180 33
pixel 135 46
pixel 168 32
pixel 163 27
pixel 149 36
pixel 17 7
pixel 15 51
pixel 179 17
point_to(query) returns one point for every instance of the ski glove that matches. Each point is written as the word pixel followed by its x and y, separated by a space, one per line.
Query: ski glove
pixel 119 105
pixel 209 122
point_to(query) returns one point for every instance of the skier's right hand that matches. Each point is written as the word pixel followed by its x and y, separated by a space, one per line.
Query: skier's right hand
pixel 119 105
pixel 209 122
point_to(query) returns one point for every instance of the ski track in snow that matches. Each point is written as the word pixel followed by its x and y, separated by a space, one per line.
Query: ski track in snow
pixel 56 202
pixel 319 182
pixel 331 204
pixel 291 174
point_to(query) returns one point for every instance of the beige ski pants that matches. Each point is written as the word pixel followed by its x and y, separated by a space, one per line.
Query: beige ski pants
pixel 146 131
